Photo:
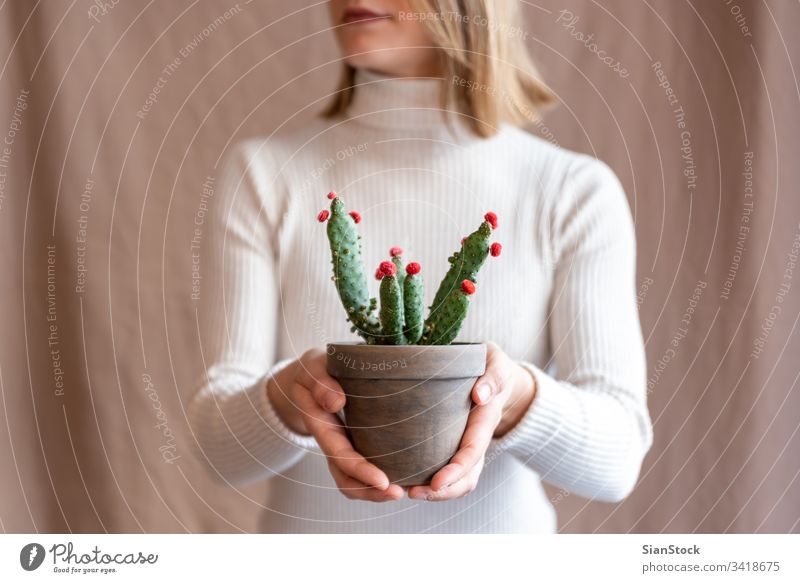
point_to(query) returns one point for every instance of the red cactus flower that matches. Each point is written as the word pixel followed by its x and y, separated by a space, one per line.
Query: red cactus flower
pixel 413 268
pixel 395 251
pixel 332 194
pixel 491 218
pixel 387 268
pixel 468 287
pixel 356 216
pixel 495 249
pixel 378 274
pixel 462 240
pixel 323 216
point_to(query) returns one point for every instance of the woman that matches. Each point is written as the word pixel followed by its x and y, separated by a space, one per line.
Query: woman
pixel 422 138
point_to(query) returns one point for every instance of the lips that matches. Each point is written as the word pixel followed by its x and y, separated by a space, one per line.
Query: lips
pixel 362 15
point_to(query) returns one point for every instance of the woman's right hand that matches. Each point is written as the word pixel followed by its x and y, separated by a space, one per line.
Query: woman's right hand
pixel 307 400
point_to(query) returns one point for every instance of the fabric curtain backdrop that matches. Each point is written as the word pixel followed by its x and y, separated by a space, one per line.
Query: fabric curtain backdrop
pixel 114 115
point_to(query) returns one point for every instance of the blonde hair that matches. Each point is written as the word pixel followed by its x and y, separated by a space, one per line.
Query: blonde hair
pixel 489 74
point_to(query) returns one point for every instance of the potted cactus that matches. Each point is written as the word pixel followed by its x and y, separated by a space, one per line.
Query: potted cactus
pixel 407 384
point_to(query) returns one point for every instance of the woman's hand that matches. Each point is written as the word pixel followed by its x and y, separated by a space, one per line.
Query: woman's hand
pixel 501 396
pixel 307 398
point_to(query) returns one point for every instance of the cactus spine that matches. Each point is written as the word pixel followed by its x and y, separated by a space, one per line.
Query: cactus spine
pixel 400 318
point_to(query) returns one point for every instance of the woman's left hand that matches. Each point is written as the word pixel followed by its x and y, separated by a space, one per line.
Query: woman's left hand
pixel 501 396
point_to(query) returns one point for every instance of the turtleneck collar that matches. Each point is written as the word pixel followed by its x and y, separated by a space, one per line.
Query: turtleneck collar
pixel 403 104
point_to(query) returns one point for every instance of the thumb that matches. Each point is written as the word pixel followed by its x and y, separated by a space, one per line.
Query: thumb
pixel 491 383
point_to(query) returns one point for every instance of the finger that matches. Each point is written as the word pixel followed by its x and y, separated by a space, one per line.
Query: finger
pixel 355 490
pixel 493 380
pixel 329 433
pixel 462 487
pixel 477 437
pixel 326 390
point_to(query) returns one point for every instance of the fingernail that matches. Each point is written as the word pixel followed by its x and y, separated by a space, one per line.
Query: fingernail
pixel 484 393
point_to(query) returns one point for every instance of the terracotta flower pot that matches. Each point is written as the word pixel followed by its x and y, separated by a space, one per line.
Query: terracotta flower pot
pixel 407 406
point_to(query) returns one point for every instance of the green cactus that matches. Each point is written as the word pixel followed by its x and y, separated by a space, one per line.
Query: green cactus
pixel 400 319
pixel 450 317
pixel 391 312
pixel 348 271
pixel 413 302
pixel 443 325
pixel 396 253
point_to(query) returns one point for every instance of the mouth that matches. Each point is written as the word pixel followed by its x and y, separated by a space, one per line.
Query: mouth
pixel 362 16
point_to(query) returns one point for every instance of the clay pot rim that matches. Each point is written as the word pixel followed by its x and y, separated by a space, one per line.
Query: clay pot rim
pixel 408 361
pixel 354 343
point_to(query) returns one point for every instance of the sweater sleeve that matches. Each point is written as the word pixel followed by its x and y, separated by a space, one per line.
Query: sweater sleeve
pixel 588 429
pixel 237 432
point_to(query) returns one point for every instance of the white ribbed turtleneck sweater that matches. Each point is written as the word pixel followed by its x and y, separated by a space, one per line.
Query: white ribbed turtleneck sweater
pixel 560 298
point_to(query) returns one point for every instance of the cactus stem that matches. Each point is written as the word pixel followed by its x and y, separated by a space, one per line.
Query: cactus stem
pixel 449 307
pixel 351 282
pixel 413 295
pixel 391 314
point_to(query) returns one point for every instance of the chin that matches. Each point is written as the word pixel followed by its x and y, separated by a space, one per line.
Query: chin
pixel 366 61
pixel 363 47
pixel 388 60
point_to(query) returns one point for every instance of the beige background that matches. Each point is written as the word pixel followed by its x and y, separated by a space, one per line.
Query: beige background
pixel 726 455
